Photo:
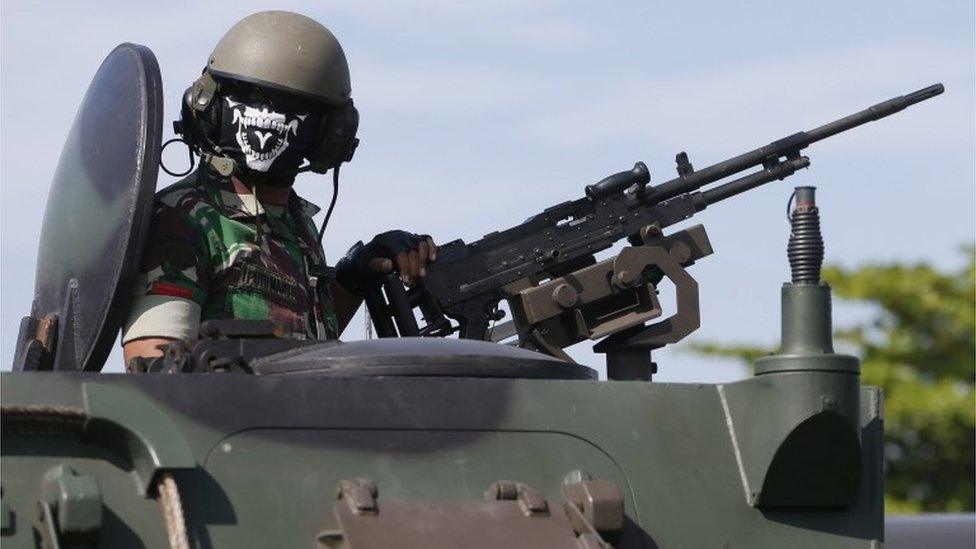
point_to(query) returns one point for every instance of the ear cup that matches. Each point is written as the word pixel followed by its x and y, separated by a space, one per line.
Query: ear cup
pixel 186 125
pixel 337 140
pixel 199 115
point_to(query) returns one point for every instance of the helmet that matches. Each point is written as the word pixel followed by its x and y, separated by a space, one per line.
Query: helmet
pixel 286 52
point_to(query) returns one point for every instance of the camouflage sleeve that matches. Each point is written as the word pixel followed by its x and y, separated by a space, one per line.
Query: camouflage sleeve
pixel 176 261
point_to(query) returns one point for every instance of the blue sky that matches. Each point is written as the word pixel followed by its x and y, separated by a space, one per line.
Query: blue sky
pixel 477 115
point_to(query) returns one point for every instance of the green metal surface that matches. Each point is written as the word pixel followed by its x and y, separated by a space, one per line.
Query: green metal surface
pixel 271 451
pixel 807 334
pixel 140 430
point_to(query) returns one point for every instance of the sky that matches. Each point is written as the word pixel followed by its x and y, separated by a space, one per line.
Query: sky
pixel 476 115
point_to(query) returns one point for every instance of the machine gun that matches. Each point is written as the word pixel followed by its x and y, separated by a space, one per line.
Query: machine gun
pixel 559 294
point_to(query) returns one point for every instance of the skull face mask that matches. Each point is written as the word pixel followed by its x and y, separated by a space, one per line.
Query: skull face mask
pixel 267 137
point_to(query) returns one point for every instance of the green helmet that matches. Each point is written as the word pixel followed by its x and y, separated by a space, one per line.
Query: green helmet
pixel 284 51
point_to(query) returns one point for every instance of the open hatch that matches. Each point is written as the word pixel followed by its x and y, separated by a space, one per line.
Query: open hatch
pixel 96 218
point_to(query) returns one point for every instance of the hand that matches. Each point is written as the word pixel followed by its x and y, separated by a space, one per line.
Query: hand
pixel 407 253
pixel 411 264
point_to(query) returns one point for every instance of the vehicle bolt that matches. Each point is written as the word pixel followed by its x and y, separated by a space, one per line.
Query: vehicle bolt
pixel 625 278
pixel 575 476
pixel 680 252
pixel 565 296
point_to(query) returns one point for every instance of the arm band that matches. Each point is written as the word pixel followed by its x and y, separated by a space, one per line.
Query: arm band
pixel 161 316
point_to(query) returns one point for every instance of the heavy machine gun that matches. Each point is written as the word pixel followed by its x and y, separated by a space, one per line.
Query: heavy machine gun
pixel 560 295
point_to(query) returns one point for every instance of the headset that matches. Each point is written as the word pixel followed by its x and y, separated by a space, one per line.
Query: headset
pixel 200 118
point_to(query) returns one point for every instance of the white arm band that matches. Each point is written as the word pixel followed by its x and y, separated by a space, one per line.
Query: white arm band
pixel 161 316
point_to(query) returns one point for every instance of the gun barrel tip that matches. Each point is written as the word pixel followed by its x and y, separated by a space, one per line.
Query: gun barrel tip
pixel 925 93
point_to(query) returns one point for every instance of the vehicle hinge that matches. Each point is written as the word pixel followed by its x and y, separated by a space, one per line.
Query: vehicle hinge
pixel 530 501
pixel 595 509
pixel 6 517
pixel 69 511
pixel 360 494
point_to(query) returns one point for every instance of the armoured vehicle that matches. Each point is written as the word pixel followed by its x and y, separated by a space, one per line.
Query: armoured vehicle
pixel 248 438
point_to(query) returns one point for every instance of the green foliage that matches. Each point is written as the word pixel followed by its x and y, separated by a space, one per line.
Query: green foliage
pixel 920 347
pixel 745 353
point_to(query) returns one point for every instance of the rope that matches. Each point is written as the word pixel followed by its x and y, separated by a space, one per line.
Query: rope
pixel 169 498
pixel 42 410
pixel 41 419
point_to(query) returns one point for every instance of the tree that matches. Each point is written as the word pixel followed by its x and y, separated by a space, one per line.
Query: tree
pixel 920 348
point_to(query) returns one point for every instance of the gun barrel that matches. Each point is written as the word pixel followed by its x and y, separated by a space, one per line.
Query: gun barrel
pixel 788 146
pixel 927 92
pixel 870 114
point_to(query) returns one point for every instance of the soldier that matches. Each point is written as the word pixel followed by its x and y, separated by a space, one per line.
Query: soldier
pixel 233 240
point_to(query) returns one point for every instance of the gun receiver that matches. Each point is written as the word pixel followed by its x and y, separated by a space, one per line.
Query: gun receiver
pixel 547 256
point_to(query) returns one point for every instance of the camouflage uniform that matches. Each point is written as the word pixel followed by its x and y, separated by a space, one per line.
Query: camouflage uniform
pixel 235 260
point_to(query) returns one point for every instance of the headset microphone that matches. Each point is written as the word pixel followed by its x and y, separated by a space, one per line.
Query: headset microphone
pixel 224 165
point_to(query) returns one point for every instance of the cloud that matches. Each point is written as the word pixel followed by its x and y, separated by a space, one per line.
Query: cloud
pixel 437 90
pixel 528 24
pixel 554 33
pixel 398 10
pixel 763 99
